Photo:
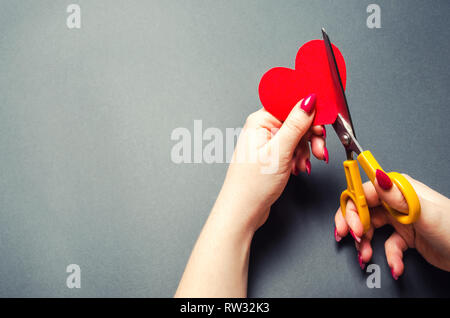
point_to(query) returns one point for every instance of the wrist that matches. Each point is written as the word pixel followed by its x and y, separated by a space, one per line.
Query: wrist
pixel 236 211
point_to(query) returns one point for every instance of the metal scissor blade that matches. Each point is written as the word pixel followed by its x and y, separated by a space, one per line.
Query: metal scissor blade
pixel 341 100
pixel 348 140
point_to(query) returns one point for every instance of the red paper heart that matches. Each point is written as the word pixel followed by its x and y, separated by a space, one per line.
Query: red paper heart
pixel 281 88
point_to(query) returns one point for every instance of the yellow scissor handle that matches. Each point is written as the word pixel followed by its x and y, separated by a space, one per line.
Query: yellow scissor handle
pixel 370 166
pixel 355 192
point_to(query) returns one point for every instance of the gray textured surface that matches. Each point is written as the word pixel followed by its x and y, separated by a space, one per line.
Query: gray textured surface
pixel 86 117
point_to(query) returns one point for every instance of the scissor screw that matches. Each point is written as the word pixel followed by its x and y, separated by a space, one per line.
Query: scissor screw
pixel 345 139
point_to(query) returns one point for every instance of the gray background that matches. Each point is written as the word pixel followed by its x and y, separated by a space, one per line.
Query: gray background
pixel 86 117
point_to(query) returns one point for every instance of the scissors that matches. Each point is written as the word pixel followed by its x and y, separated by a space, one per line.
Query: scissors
pixel 343 126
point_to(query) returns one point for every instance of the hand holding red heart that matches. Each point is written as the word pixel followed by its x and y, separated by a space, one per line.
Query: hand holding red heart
pixel 246 183
pixel 243 204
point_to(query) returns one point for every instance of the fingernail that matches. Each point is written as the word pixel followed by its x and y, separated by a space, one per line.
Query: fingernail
pixel 336 235
pixel 308 103
pixel 324 132
pixel 357 239
pixel 325 154
pixel 361 263
pixel 383 180
pixel 308 166
pixel 393 275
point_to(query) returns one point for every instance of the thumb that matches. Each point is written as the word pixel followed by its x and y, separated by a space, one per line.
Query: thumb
pixel 295 126
pixel 388 192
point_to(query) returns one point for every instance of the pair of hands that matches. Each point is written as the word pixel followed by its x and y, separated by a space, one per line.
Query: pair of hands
pixel 252 190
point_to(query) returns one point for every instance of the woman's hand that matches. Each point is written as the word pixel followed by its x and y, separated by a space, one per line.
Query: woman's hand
pixel 430 235
pixel 266 153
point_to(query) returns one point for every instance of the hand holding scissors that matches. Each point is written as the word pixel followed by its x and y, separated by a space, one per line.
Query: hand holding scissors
pixel 345 131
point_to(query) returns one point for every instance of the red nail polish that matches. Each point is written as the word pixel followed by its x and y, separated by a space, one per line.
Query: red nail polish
pixel 308 166
pixel 383 180
pixel 325 154
pixel 361 263
pixel 393 275
pixel 324 132
pixel 357 239
pixel 336 235
pixel 308 103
